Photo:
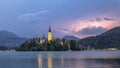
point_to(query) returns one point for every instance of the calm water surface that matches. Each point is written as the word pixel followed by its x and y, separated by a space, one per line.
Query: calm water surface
pixel 76 59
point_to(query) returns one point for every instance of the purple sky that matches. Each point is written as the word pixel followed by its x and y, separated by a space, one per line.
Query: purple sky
pixel 81 18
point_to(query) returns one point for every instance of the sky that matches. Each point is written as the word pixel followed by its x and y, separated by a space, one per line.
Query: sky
pixel 80 18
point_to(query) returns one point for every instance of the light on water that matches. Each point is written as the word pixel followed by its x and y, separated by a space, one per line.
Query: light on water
pixel 49 61
pixel 39 61
pixel 75 59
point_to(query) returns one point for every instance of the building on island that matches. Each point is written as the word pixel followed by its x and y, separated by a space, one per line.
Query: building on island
pixel 43 39
pixel 49 34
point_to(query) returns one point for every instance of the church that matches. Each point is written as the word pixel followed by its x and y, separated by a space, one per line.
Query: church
pixel 49 34
pixel 43 39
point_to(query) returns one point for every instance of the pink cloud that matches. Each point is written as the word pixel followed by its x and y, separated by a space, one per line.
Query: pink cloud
pixel 78 24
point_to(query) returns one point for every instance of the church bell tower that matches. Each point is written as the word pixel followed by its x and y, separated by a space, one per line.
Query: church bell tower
pixel 49 34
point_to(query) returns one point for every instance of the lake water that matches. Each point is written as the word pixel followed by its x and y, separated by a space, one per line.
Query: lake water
pixel 68 59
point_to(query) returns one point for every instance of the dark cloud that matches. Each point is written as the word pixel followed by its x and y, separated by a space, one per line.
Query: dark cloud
pixel 98 19
pixel 92 31
pixel 109 19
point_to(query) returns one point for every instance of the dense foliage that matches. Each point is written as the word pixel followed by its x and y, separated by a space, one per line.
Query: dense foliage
pixel 109 39
pixel 54 45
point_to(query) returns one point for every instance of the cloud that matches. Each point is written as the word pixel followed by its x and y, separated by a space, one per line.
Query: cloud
pixel 100 19
pixel 66 31
pixel 85 32
pixel 34 14
pixel 65 12
pixel 109 19
pixel 32 17
pixel 92 31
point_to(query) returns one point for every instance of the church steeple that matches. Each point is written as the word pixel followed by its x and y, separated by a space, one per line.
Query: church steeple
pixel 49 29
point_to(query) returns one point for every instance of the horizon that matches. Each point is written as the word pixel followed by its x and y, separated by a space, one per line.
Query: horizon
pixel 66 17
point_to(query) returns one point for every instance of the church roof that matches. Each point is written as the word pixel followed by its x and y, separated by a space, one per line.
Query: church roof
pixel 49 29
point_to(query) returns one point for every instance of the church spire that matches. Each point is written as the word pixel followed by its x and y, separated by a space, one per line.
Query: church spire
pixel 49 29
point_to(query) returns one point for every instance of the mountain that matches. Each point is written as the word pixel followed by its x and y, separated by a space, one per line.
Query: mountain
pixel 9 39
pixel 68 37
pixel 109 39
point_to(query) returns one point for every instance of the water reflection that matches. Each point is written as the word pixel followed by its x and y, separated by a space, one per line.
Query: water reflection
pixel 39 61
pixel 59 60
pixel 51 61
pixel 62 61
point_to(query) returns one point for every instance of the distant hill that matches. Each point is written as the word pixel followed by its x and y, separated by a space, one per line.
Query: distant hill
pixel 68 37
pixel 109 39
pixel 9 39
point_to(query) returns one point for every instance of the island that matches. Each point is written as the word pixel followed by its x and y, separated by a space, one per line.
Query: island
pixel 110 40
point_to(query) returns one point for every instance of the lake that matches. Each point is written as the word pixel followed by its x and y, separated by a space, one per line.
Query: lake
pixel 63 59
